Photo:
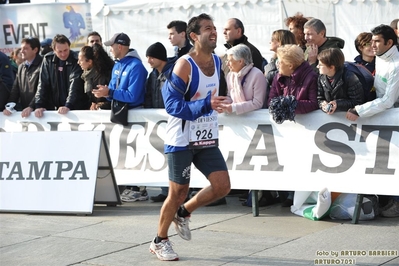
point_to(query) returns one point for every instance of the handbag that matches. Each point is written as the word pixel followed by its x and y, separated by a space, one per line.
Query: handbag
pixel 119 112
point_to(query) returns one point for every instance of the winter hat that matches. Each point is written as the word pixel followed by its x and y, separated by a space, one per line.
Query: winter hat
pixel 157 50
pixel 119 38
pixel 46 42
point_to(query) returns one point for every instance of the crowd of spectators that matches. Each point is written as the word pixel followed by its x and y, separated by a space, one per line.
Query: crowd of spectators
pixel 307 65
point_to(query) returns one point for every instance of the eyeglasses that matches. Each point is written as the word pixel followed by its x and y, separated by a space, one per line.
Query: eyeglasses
pixel 367 44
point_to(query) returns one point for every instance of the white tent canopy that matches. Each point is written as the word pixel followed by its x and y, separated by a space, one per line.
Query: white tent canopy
pixel 145 21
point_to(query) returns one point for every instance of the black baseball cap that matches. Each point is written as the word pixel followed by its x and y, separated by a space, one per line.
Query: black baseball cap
pixel 119 38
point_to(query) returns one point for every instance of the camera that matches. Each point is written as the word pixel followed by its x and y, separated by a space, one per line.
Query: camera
pixel 328 108
pixel 10 107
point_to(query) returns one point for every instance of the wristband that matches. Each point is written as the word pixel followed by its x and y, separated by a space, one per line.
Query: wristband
pixel 353 111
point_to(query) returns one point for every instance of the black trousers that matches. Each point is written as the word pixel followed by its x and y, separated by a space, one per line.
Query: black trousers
pixel 4 94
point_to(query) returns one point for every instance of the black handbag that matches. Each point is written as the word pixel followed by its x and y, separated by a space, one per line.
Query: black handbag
pixel 119 112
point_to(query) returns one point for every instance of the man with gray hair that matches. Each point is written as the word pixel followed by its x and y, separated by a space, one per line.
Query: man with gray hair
pixel 317 41
pixel 395 26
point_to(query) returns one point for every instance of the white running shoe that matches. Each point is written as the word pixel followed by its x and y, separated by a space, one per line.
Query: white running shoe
pixel 126 192
pixel 181 226
pixel 130 196
pixel 163 250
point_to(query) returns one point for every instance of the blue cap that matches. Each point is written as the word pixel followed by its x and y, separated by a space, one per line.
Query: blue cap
pixel 46 42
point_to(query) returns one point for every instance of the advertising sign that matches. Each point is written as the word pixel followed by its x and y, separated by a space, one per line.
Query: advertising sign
pixel 44 21
pixel 49 171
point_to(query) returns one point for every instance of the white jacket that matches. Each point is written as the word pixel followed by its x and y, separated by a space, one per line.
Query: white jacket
pixel 386 83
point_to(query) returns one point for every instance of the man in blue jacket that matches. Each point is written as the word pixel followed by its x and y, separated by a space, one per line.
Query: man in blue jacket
pixel 127 85
pixel 128 75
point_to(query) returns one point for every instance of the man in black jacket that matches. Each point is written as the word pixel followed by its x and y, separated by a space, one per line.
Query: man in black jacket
pixel 25 84
pixel 233 32
pixel 178 38
pixel 160 64
pixel 6 79
pixel 60 85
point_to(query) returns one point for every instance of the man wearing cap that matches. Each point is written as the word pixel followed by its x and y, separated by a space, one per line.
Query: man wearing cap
pixel 128 75
pixel 46 46
pixel 156 58
pixel 27 79
pixel 60 85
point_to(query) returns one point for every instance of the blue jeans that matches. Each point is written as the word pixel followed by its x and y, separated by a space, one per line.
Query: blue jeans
pixel 395 198
pixel 164 190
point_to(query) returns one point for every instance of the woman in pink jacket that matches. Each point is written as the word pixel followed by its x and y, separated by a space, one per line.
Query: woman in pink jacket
pixel 246 84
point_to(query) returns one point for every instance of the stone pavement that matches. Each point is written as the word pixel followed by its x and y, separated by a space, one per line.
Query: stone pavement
pixel 221 235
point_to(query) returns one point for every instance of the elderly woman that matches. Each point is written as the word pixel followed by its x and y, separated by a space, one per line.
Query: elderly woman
pixel 279 38
pixel 296 77
pixel 246 84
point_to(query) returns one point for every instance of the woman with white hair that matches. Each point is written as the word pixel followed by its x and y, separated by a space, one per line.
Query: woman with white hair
pixel 246 84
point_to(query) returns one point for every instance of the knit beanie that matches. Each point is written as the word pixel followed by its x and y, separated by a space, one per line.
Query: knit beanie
pixel 157 50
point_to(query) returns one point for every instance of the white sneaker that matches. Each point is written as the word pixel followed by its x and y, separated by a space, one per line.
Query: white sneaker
pixel 126 192
pixel 181 226
pixel 163 250
pixel 130 196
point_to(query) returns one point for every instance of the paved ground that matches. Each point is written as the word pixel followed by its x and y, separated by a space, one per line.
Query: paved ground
pixel 221 235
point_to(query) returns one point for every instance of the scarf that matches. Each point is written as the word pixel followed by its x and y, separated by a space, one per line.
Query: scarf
pixel 89 76
pixel 236 92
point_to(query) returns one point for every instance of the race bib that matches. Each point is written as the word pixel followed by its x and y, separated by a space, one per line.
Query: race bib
pixel 204 132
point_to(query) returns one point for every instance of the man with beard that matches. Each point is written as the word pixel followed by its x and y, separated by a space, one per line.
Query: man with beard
pixel 190 97
pixel 386 83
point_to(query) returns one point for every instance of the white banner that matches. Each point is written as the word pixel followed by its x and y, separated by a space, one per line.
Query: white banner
pixel 316 151
pixel 49 171
pixel 44 21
